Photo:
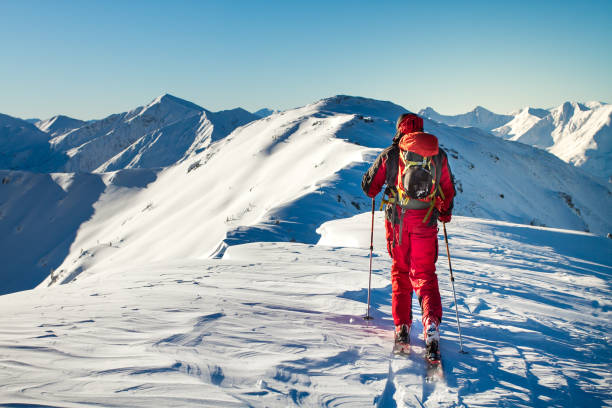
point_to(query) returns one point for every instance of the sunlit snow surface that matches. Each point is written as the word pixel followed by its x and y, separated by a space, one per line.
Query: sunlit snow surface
pixel 279 324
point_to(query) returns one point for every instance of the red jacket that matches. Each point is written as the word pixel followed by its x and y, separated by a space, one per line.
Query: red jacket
pixel 384 170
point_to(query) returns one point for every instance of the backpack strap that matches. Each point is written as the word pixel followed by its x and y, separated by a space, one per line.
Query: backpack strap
pixel 432 197
pixel 401 224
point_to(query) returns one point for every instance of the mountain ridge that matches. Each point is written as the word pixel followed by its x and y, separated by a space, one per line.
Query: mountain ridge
pixel 318 153
pixel 576 132
pixel 58 124
pixel 156 134
pixel 479 117
pixel 277 179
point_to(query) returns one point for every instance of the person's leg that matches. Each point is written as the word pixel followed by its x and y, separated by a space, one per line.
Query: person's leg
pixel 401 287
pixel 423 257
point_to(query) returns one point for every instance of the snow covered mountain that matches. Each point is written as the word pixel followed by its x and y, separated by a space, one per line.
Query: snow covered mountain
pixel 479 117
pixel 274 179
pixel 522 121
pixel 58 125
pixel 580 134
pixel 577 133
pixel 278 178
pixel 152 136
pixel 24 146
pixel 240 253
pixel 157 135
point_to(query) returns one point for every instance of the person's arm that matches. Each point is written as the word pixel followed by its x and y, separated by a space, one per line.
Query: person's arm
pixel 445 207
pixel 374 179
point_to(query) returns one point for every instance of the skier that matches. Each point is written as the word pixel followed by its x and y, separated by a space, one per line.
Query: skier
pixel 419 191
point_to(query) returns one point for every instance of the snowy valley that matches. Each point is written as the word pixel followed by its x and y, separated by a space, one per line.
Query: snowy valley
pixel 171 247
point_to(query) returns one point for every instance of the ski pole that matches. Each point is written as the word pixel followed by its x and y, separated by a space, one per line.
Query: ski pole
pixel 367 316
pixel 452 278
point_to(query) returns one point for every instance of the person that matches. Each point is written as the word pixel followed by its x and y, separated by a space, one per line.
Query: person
pixel 419 191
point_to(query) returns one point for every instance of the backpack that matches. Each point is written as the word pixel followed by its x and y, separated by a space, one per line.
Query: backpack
pixel 419 168
pixel 416 180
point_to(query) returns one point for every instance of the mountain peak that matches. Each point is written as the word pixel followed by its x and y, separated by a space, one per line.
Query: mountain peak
pixel 264 112
pixel 363 106
pixel 481 109
pixel 428 111
pixel 59 124
pixel 171 100
pixel 594 104
pixel 479 117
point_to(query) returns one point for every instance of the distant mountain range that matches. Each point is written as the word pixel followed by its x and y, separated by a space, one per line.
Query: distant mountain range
pixel 58 125
pixel 480 117
pixel 262 113
pixel 171 180
pixel 152 136
pixel 577 133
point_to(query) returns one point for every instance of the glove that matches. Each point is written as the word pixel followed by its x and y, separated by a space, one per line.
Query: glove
pixel 445 218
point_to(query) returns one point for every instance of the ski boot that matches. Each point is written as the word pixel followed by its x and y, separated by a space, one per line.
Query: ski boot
pixel 432 339
pixel 402 339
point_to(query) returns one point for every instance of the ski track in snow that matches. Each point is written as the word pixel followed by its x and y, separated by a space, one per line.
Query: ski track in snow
pixel 279 324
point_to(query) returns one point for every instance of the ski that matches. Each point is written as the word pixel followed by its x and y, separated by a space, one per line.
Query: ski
pixel 433 363
pixel 434 371
pixel 433 367
pixel 402 340
pixel 401 349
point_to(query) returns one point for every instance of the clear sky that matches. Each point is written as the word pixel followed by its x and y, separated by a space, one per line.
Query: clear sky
pixel 88 59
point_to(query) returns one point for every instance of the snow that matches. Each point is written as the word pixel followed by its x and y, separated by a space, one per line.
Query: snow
pixel 58 125
pixel 24 146
pixel 188 213
pixel 479 117
pixel 40 215
pixel 524 120
pixel 156 135
pixel 279 324
pixel 211 259
pixel 577 133
pixel 584 138
pixel 274 179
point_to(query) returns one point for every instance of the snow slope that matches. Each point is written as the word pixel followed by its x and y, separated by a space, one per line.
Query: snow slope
pixel 479 117
pixel 58 125
pixel 522 121
pixel 41 213
pixel 237 182
pixel 278 178
pixel 24 146
pixel 279 324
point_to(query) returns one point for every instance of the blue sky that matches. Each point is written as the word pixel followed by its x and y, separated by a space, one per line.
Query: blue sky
pixel 88 59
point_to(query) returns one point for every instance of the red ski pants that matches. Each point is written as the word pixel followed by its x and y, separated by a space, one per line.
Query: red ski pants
pixel 414 267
